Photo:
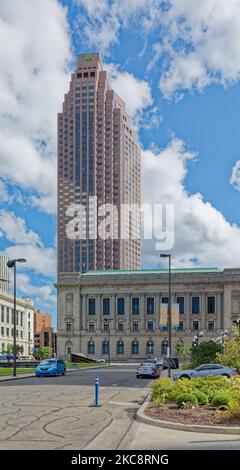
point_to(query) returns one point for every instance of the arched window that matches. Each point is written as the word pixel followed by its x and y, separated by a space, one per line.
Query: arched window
pixel 105 347
pixel 150 347
pixel 91 347
pixel 120 347
pixel 135 347
pixel 164 346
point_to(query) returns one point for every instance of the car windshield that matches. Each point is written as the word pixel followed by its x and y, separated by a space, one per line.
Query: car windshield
pixel 48 362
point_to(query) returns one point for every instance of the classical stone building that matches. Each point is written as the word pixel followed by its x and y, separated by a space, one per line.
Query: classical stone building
pixel 128 302
pixel 24 323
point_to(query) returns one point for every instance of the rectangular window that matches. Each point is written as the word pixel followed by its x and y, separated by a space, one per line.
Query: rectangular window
pixel 150 325
pixel 150 305
pixel 195 305
pixel 135 306
pixel 106 306
pixel 2 331
pixel 164 300
pixel 120 306
pixel 2 314
pixel 180 302
pixel 211 325
pixel 180 326
pixel 135 326
pixel 91 307
pixel 120 326
pixel 195 325
pixel 68 326
pixel 106 325
pixel 91 326
pixel 211 305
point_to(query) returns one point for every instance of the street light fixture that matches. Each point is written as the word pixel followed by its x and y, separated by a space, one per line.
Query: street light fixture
pixel 196 338
pixel 223 335
pixel 169 323
pixel 12 264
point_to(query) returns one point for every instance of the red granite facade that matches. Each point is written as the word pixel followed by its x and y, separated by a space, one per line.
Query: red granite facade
pixel 99 163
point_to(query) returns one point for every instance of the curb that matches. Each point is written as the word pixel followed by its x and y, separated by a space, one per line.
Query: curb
pixel 142 418
pixel 10 377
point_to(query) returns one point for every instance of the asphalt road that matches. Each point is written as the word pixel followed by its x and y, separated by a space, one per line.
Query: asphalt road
pixel 113 376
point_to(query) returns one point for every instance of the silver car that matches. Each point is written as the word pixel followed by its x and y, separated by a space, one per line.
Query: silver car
pixel 205 370
pixel 148 369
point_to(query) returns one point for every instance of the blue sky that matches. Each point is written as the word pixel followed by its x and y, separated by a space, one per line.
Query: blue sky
pixel 178 70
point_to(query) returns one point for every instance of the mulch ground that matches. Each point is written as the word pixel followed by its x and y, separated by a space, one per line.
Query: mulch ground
pixel 204 415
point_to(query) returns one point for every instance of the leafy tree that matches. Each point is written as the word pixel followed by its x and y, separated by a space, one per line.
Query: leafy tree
pixel 205 353
pixel 19 349
pixel 231 351
pixel 181 350
pixel 42 353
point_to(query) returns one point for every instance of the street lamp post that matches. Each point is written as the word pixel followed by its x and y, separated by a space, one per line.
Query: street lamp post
pixel 12 264
pixel 169 323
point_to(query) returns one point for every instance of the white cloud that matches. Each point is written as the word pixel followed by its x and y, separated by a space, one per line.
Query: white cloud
pixel 201 43
pixel 4 196
pixel 135 93
pixel 201 232
pixel 198 45
pixel 34 54
pixel 102 19
pixel 27 244
pixel 235 176
pixel 43 295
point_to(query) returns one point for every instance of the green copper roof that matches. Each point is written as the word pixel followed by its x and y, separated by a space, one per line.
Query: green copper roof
pixel 154 271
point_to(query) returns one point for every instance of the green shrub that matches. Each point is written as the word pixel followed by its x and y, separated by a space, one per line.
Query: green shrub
pixel 221 400
pixel 233 409
pixel 161 390
pixel 201 397
pixel 186 399
pixel 181 386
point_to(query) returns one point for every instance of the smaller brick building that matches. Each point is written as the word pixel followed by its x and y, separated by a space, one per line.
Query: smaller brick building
pixel 44 335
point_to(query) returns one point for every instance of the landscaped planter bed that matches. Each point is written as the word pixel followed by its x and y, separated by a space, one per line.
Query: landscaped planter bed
pixel 202 415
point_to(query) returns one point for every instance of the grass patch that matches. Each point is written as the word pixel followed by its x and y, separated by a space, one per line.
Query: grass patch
pixel 9 370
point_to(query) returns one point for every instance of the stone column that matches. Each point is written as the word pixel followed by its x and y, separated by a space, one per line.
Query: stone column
pixel 128 311
pixel 142 312
pixel 84 307
pixel 113 312
pixel 219 311
pixel 98 311
pixel 188 313
pixel 203 325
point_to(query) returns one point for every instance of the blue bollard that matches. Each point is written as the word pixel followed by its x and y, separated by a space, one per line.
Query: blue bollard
pixel 96 391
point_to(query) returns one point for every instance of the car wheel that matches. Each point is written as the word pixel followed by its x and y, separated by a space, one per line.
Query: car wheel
pixel 185 377
pixel 64 373
pixel 226 375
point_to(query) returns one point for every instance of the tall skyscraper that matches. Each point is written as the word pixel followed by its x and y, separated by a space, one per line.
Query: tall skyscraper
pixel 99 176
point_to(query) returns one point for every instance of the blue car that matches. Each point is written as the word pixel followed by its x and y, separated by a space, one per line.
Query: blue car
pixel 51 367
